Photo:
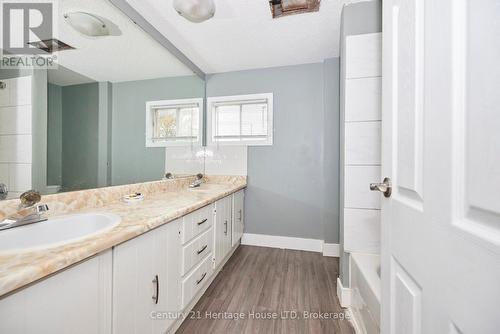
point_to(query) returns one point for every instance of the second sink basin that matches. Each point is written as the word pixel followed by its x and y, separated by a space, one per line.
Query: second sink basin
pixel 57 231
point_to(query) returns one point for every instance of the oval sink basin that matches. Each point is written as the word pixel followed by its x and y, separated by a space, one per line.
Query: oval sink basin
pixel 57 231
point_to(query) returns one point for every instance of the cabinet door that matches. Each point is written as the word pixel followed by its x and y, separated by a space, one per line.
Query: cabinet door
pixel 146 280
pixel 238 214
pixel 222 229
pixel 170 274
pixel 219 232
pixel 228 221
pixel 76 301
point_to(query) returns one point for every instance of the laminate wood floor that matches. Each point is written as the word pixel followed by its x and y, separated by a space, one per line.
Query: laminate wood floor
pixel 264 282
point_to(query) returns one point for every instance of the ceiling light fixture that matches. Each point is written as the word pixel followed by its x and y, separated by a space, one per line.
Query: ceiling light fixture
pixel 195 10
pixel 87 24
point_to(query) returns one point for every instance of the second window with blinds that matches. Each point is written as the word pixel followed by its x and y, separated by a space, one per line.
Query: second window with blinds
pixel 240 120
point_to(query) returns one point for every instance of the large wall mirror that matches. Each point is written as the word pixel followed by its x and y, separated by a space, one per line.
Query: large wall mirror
pixel 85 124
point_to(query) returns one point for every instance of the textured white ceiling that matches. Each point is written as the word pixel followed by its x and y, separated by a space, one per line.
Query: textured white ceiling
pixel 242 35
pixel 132 55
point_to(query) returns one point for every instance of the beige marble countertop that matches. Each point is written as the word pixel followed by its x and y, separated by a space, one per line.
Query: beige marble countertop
pixel 20 268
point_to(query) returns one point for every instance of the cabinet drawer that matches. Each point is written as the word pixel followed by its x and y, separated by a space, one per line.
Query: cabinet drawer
pixel 196 222
pixel 197 250
pixel 196 280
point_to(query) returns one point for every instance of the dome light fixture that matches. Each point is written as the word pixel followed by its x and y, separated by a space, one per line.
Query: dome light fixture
pixel 195 10
pixel 87 24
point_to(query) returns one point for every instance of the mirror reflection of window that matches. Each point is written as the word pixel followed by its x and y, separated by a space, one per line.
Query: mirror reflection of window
pixel 173 122
pixel 180 123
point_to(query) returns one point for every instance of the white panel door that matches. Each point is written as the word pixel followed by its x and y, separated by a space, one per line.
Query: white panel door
pixel 440 145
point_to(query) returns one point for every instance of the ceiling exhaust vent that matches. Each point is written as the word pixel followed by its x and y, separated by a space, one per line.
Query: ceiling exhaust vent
pixel 281 8
pixel 51 45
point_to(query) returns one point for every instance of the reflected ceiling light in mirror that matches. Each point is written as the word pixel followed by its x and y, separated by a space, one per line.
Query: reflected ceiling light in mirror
pixel 87 24
pixel 195 10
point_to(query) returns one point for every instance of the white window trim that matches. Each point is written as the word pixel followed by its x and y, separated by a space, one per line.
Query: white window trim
pixel 211 101
pixel 151 105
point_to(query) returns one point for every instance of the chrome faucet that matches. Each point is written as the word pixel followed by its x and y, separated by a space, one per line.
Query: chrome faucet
pixel 4 191
pixel 28 212
pixel 197 183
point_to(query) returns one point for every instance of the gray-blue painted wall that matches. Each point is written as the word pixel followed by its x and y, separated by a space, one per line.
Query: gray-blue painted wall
pixel 54 134
pixel 80 119
pixel 292 185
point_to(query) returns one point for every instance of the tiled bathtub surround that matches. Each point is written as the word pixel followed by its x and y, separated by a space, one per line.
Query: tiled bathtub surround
pixel 362 143
pixel 16 135
pixel 165 201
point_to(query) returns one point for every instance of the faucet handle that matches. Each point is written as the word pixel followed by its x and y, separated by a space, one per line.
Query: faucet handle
pixel 30 198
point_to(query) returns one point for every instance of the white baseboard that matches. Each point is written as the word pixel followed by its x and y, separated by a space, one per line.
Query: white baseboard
pixel 273 241
pixel 332 250
pixel 262 240
pixel 344 294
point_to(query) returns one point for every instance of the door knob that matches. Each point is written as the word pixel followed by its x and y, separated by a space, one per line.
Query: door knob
pixel 385 187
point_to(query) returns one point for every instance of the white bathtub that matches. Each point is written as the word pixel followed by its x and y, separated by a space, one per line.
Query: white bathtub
pixel 366 290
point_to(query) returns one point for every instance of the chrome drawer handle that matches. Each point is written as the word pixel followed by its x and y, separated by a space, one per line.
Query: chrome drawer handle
pixel 225 224
pixel 156 295
pixel 202 249
pixel 202 222
pixel 241 216
pixel 201 279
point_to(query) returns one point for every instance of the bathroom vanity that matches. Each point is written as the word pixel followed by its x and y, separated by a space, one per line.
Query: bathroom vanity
pixel 142 276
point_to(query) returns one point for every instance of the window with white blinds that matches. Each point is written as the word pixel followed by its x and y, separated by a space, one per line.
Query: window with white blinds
pixel 174 122
pixel 241 120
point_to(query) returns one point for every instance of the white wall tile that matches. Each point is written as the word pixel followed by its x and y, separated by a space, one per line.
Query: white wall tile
pixel 226 160
pixel 184 160
pixel 15 120
pixel 364 55
pixel 20 92
pixel 16 149
pixel 363 99
pixel 14 195
pixel 20 177
pixel 357 187
pixel 4 174
pixel 362 143
pixel 362 231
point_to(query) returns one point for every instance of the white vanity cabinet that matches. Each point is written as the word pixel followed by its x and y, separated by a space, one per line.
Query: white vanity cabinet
pixel 197 236
pixel 238 217
pixel 139 287
pixel 147 280
pixel 76 300
pixel 223 227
